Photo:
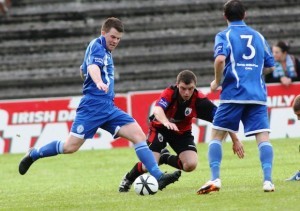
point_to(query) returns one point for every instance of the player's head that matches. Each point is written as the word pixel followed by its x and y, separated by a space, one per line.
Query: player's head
pixel 280 50
pixel 112 29
pixel 234 10
pixel 296 106
pixel 186 83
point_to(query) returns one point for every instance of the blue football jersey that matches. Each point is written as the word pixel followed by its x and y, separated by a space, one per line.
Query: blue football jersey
pixel 247 53
pixel 96 53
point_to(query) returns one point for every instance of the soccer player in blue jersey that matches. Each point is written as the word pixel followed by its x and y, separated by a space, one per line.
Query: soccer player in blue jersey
pixel 97 109
pixel 243 56
pixel 296 108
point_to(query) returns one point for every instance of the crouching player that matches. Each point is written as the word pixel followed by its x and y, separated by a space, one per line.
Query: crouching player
pixel 171 123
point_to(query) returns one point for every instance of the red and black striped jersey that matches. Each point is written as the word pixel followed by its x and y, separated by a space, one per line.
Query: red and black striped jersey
pixel 182 112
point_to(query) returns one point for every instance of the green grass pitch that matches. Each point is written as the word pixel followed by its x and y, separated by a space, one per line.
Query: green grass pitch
pixel 89 180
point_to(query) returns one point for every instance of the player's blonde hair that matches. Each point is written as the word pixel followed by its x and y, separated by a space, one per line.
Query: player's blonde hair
pixel 296 103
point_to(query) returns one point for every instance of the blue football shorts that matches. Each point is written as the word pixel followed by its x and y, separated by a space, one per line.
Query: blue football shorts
pixel 96 112
pixel 253 116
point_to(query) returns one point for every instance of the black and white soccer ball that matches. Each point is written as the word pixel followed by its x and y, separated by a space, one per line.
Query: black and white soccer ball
pixel 145 185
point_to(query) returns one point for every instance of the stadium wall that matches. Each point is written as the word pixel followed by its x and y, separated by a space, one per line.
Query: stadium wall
pixel 34 122
pixel 43 41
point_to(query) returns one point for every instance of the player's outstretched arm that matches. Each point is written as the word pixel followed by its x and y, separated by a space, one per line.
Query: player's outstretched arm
pixel 161 117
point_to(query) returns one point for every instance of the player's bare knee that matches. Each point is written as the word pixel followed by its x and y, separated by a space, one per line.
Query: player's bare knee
pixel 189 166
pixel 132 132
pixel 139 137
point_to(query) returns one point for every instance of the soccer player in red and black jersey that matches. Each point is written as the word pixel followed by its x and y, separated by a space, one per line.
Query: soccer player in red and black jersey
pixel 171 123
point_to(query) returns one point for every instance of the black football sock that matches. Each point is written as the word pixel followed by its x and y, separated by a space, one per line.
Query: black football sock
pixel 174 161
pixel 164 158
pixel 136 171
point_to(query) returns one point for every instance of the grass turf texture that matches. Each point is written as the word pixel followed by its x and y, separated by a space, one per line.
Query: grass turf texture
pixel 89 180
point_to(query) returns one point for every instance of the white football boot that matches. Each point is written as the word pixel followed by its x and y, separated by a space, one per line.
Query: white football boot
pixel 210 186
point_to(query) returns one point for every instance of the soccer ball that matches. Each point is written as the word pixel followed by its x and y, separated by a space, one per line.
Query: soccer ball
pixel 145 185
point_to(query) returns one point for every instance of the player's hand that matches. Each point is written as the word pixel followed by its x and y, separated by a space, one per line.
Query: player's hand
pixel 102 86
pixel 214 86
pixel 171 126
pixel 285 81
pixel 238 149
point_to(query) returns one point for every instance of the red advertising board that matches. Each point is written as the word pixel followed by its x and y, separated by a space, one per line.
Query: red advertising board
pixel 282 120
pixel 141 103
pixel 35 122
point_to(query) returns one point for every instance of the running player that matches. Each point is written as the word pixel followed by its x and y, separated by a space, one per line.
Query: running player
pixel 97 109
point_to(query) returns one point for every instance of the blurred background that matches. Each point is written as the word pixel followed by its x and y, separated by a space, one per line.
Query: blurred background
pixel 43 41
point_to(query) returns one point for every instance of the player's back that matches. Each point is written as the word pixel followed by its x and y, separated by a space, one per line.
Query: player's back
pixel 247 54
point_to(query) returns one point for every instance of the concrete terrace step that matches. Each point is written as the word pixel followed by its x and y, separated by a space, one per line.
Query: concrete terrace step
pixel 108 8
pixel 61 28
pixel 47 60
pixel 49 90
pixel 39 77
pixel 136 55
pixel 78 10
pixel 19 47
pixel 162 69
pixel 141 39
pixel 154 84
pixel 123 73
pixel 40 30
pixel 75 89
pixel 43 41
pixel 22 3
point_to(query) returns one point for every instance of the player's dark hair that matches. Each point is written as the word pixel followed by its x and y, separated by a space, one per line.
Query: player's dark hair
pixel 112 22
pixel 187 77
pixel 234 10
pixel 283 46
pixel 296 104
